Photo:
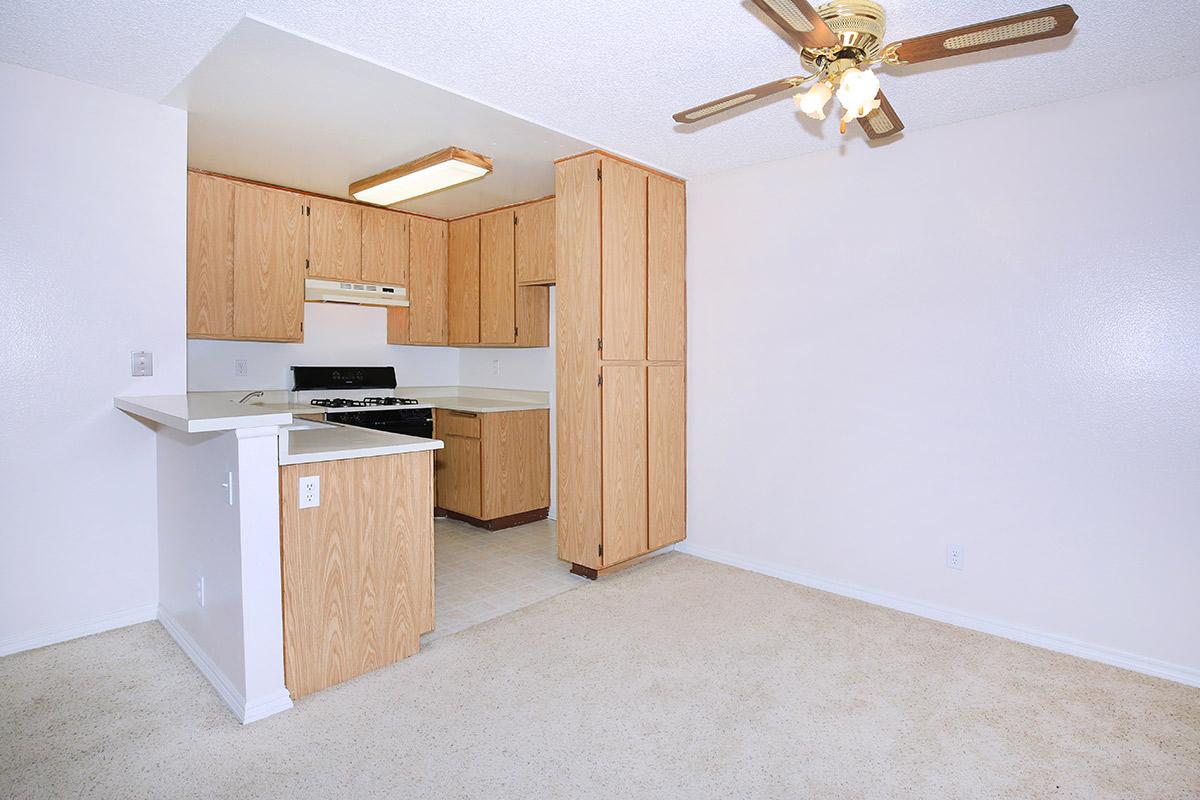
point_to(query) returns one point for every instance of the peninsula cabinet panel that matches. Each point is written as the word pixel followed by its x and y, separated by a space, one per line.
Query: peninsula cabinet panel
pixel 357 569
pixel 334 240
pixel 577 331
pixel 427 293
pixel 209 257
pixel 624 447
pixel 270 243
pixel 384 247
pixel 623 269
pixel 666 443
pixel 497 279
pixel 534 245
pixel 666 314
pixel 463 281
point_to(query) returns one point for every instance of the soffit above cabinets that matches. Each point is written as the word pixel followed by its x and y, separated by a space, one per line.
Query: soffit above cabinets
pixel 278 108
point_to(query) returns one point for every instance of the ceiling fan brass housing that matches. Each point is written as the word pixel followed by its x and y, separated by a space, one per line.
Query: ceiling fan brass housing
pixel 859 26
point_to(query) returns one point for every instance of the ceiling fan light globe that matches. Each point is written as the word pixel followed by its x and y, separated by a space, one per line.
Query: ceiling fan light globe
pixel 858 93
pixel 813 101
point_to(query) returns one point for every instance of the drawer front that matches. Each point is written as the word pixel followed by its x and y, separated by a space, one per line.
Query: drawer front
pixel 458 423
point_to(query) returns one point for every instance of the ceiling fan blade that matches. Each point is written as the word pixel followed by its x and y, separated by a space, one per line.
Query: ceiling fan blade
pixel 1028 27
pixel 734 100
pixel 799 21
pixel 883 121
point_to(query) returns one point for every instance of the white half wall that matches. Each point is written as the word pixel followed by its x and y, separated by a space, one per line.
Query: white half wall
pixel 92 250
pixel 990 336
pixel 333 334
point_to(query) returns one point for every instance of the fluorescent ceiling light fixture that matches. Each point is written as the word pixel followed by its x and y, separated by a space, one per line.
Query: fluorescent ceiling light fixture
pixel 433 172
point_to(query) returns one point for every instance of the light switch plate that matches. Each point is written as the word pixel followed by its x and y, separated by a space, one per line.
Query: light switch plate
pixel 142 364
pixel 310 491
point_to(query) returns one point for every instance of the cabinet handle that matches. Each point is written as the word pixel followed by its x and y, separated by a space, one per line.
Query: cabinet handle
pixel 470 414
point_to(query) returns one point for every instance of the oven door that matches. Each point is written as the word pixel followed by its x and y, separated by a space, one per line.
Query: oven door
pixel 409 421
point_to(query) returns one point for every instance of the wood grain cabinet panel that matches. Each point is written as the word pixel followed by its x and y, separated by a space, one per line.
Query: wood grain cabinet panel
pixel 384 247
pixel 270 243
pixel 577 333
pixel 459 475
pixel 624 446
pixel 357 569
pixel 209 257
pixel 516 462
pixel 667 453
pixel 534 244
pixel 623 269
pixel 428 257
pixel 497 279
pixel 463 281
pixel 334 240
pixel 666 313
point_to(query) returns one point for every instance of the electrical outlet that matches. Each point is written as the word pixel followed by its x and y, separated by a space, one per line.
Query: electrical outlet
pixel 954 556
pixel 310 492
pixel 200 591
pixel 142 364
pixel 495 366
pixel 240 368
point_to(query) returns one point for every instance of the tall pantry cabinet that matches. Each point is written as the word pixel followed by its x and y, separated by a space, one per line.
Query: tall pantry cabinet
pixel 621 352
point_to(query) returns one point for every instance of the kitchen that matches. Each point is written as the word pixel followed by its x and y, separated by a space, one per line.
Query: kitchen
pixel 356 370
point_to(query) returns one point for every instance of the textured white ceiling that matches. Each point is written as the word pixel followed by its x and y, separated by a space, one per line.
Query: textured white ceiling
pixel 613 72
pixel 275 107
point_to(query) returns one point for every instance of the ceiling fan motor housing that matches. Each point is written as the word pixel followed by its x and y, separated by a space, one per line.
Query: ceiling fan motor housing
pixel 859 26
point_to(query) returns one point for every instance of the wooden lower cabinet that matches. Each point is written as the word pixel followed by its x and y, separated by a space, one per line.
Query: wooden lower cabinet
pixel 357 569
pixel 495 468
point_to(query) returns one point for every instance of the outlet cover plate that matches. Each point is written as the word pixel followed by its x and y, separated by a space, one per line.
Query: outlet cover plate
pixel 310 491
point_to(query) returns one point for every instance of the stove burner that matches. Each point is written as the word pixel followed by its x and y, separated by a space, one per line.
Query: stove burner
pixel 366 402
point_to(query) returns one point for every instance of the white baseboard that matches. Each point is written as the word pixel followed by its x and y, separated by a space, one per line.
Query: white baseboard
pixel 61 633
pixel 1060 644
pixel 246 712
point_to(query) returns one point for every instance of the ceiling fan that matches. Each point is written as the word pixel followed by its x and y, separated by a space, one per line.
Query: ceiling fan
pixel 840 42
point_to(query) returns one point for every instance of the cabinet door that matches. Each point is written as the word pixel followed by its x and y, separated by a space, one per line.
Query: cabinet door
pixel 209 257
pixel 269 247
pixel 535 243
pixel 666 316
pixel 624 447
pixel 384 247
pixel 458 476
pixel 464 281
pixel 533 316
pixel 497 279
pixel 515 462
pixel 577 329
pixel 427 257
pixel 623 269
pixel 334 240
pixel 666 438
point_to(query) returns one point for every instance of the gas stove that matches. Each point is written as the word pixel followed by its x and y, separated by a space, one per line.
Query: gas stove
pixel 365 402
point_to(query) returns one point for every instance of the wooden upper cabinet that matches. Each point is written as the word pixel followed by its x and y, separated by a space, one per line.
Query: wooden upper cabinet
pixel 270 243
pixel 209 257
pixel 463 281
pixel 497 279
pixel 384 247
pixel 428 255
pixel 666 314
pixel 623 263
pixel 334 240
pixel 535 243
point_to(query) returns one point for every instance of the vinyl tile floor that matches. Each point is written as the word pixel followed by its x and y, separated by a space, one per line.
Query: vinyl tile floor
pixel 480 575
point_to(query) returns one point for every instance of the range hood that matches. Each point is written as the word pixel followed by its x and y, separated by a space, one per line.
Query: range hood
pixel 363 294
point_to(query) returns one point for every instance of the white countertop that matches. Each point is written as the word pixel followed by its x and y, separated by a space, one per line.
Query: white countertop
pixel 478 405
pixel 200 412
pixel 307 442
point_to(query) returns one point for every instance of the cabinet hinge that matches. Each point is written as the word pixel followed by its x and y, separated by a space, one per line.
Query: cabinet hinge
pixel 599 344
pixel 599 174
pixel 515 331
pixel 308 211
pixel 599 380
pixel 302 327
pixel 600 550
pixel 516 220
pixel 306 263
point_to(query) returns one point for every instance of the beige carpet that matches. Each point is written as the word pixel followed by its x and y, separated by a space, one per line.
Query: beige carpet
pixel 678 678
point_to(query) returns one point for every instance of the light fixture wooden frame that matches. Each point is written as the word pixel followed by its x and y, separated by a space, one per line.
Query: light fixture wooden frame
pixel 423 163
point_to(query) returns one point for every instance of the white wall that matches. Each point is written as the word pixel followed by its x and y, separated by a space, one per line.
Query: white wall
pixel 92 248
pixel 993 339
pixel 333 334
